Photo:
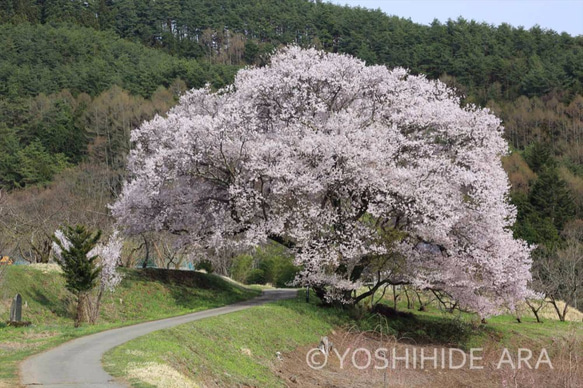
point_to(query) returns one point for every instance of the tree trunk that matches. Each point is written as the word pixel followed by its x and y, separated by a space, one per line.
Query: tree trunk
pixel 42 250
pixel 94 311
pixel 380 299
pixel 395 296
pixel 535 310
pixel 410 303
pixel 81 314
pixel 372 298
pixel 560 313
pixel 147 246
pixel 421 304
pixel 320 293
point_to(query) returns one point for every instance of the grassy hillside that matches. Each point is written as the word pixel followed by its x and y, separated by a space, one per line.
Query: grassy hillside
pixel 143 295
pixel 236 349
pixel 240 349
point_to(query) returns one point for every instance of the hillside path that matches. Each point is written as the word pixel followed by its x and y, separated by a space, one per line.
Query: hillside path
pixel 77 363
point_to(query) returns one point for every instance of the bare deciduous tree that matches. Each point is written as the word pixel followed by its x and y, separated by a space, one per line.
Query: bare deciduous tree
pixel 535 306
pixel 560 276
pixel 30 216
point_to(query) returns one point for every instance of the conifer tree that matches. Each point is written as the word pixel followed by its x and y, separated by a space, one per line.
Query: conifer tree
pixel 73 247
pixel 551 198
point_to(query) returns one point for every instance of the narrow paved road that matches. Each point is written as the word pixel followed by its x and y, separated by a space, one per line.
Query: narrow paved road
pixel 78 363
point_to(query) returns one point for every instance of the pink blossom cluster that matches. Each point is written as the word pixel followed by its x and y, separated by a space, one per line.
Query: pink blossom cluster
pixel 372 175
pixel 110 256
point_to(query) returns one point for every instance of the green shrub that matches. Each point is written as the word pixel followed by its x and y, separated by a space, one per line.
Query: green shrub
pixel 81 273
pixel 286 274
pixel 207 265
pixel 241 267
pixel 273 260
pixel 256 276
pixel 277 262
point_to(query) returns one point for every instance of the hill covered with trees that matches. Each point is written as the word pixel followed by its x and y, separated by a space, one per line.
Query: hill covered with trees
pixel 490 62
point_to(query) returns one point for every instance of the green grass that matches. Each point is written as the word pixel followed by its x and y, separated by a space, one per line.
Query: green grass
pixel 215 346
pixel 464 330
pixel 239 349
pixel 143 295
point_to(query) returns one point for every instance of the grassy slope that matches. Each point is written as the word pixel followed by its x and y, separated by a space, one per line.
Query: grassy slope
pixel 239 349
pixel 235 348
pixel 143 295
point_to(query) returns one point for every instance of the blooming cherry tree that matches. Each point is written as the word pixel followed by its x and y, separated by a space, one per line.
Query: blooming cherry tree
pixel 110 256
pixel 371 175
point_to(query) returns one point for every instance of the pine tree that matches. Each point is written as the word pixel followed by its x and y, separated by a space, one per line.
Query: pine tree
pixel 551 198
pixel 539 155
pixel 73 246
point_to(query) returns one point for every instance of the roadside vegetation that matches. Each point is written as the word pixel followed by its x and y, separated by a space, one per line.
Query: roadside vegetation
pixel 266 347
pixel 78 77
pixel 143 295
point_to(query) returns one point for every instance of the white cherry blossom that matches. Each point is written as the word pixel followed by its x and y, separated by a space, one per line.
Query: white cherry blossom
pixel 370 174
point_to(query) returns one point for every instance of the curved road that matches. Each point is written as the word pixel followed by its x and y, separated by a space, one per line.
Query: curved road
pixel 77 363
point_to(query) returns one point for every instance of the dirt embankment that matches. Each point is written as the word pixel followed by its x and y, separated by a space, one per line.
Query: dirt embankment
pixel 361 360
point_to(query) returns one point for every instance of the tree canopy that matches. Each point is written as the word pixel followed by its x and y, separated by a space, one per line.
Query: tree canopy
pixel 371 175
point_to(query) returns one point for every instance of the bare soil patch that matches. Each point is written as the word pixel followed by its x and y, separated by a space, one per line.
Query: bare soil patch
pixel 566 355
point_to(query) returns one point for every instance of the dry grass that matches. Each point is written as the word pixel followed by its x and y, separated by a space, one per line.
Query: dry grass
pixel 9 346
pixel 573 315
pixel 548 312
pixel 159 375
pixel 566 354
pixel 46 268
